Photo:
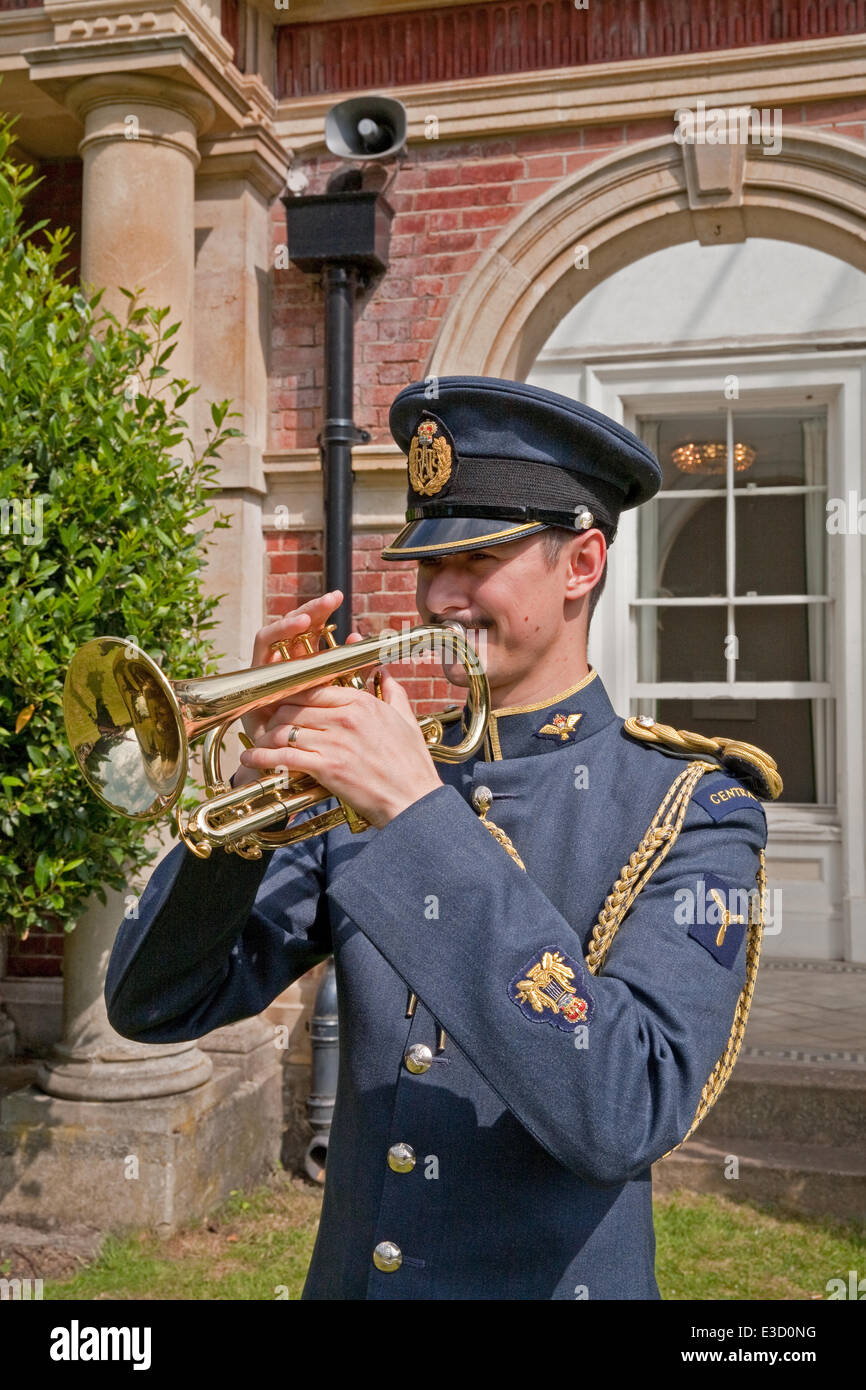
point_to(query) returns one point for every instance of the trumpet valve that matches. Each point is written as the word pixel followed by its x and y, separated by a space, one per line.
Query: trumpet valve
pixel 431 728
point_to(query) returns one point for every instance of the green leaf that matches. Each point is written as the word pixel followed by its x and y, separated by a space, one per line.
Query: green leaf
pixel 129 512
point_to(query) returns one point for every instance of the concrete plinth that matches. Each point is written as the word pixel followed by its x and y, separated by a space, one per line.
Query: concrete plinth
pixel 35 1007
pixel 7 1036
pixel 130 1135
pixel 7 1027
pixel 149 1163
pixel 250 1047
pixel 92 1062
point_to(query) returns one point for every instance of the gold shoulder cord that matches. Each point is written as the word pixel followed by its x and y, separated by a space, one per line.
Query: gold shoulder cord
pixel 656 844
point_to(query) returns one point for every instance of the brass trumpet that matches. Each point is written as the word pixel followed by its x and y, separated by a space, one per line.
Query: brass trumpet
pixel 130 729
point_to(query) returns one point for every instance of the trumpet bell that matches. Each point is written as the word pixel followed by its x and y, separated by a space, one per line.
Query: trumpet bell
pixel 125 728
pixel 130 729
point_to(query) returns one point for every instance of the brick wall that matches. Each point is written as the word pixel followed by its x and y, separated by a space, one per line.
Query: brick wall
pixel 39 956
pixel 451 201
pixel 483 40
pixel 58 198
pixel 384 597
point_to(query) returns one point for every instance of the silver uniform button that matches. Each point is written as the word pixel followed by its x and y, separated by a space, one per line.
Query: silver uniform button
pixel 401 1158
pixel 419 1058
pixel 482 799
pixel 646 721
pixel 387 1256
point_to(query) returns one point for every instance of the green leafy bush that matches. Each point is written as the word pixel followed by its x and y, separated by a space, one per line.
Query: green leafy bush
pixel 100 490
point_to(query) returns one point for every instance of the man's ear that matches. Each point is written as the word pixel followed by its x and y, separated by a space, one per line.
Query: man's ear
pixel 586 556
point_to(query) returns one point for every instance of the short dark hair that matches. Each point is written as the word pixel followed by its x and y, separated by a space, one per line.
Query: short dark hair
pixel 555 537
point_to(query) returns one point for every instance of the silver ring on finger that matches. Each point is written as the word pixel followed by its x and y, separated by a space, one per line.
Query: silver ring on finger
pixel 293 734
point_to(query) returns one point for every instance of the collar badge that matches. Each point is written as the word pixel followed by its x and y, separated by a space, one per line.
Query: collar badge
pixel 562 727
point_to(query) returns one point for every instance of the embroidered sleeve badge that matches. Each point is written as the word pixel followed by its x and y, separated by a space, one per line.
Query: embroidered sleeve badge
pixel 562 727
pixel 544 993
pixel 722 912
pixel 721 801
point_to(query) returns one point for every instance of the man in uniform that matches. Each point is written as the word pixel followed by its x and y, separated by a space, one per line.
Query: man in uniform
pixel 545 955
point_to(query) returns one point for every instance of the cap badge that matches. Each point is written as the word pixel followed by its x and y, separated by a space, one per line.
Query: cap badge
pixel 429 458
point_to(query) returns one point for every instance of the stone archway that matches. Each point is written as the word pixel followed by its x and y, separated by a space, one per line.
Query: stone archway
pixel 653 194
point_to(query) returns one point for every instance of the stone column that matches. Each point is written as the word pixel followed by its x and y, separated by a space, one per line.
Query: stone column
pixel 239 178
pixel 140 153
pixel 92 1061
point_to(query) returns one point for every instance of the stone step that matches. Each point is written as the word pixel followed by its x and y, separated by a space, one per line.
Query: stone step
pixel 791 1103
pixel 814 1180
pixel 30 1253
pixel 17 1073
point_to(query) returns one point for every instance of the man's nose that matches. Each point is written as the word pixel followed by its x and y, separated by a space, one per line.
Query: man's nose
pixel 447 591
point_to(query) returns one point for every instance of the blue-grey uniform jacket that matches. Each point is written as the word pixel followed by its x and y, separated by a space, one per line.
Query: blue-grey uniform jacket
pixel 534 1129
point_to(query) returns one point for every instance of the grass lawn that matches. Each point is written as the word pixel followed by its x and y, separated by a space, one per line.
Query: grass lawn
pixel 259 1244
pixel 712 1248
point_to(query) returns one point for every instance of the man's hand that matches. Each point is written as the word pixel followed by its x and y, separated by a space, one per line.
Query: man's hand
pixel 311 618
pixel 367 751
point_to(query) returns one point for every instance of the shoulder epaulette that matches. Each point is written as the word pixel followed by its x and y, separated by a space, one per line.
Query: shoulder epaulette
pixel 750 765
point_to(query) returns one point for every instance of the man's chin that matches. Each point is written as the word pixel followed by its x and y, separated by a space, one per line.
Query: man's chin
pixel 455 674
pixel 454 671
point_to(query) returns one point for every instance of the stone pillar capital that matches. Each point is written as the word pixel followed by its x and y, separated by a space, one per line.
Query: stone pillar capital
pixel 133 106
pixel 253 155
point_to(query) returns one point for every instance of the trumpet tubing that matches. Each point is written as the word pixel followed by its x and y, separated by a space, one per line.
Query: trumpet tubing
pixel 130 729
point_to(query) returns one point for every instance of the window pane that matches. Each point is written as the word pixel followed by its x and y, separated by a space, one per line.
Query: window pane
pixel 774 643
pixel 689 642
pixel 771 546
pixel 779 439
pixel 682 430
pixel 789 730
pixel 682 548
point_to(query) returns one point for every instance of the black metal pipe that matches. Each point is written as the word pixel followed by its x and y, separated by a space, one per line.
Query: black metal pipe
pixel 343 235
pixel 339 434
pixel 325 1043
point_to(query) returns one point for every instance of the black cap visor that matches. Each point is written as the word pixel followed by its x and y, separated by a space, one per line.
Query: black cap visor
pixel 445 535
